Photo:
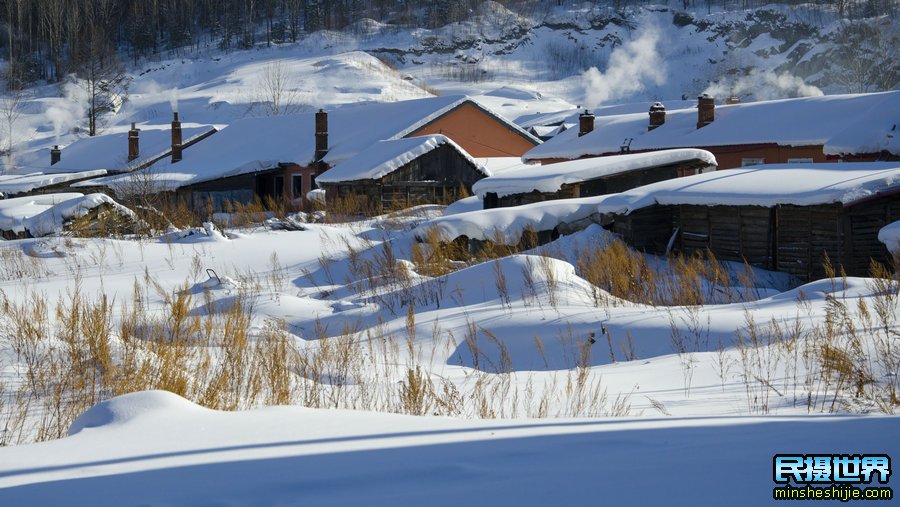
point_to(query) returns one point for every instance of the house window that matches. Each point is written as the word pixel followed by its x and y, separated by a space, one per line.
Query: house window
pixel 312 181
pixel 297 185
pixel 800 160
pixel 746 162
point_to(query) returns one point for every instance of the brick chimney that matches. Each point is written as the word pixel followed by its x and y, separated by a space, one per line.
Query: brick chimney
pixel 321 135
pixel 657 116
pixel 133 143
pixel 176 139
pixel 706 110
pixel 55 154
pixel 585 123
pixel 733 99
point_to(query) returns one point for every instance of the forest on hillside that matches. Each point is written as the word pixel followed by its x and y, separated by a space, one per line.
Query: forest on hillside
pixel 47 40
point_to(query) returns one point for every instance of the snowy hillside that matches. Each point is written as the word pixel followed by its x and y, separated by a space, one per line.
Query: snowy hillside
pixel 547 60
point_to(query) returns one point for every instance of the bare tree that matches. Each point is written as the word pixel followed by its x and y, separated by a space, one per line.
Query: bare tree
pixel 274 91
pixel 10 111
pixel 103 77
pixel 865 59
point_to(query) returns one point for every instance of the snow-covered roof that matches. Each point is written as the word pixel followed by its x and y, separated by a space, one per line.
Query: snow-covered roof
pixel 843 124
pixel 13 184
pixel 110 151
pixel 385 157
pixel 46 214
pixel 765 185
pixel 255 144
pixel 551 177
pixel 508 224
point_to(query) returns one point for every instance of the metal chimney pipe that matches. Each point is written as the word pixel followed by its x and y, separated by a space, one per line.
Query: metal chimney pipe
pixel 55 154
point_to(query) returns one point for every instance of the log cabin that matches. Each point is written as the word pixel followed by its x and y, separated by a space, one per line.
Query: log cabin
pixel 740 215
pixel 590 177
pixel 397 174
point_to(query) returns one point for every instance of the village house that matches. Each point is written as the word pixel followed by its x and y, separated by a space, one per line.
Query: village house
pixel 54 170
pixel 590 177
pixel 832 128
pixel 784 217
pixel 281 157
pixel 400 173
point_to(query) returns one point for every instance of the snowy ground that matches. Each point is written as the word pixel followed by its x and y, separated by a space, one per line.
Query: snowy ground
pixel 541 416
pixel 154 448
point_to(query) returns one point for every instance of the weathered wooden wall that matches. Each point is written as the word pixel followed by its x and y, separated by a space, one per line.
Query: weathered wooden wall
pixel 605 185
pixel 435 177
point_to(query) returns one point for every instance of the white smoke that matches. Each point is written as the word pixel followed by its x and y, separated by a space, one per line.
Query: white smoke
pixel 173 99
pixel 153 90
pixel 65 114
pixel 763 85
pixel 630 67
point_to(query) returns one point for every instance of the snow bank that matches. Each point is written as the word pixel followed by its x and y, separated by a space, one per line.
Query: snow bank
pixel 890 236
pixel 551 177
pixel 129 407
pixel 177 455
pixel 765 185
pixel 385 157
pixel 841 123
pixel 511 222
pixel 473 203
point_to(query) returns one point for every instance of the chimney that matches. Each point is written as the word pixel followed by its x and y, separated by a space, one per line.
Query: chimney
pixel 55 154
pixel 176 139
pixel 733 99
pixel 133 143
pixel 585 123
pixel 321 135
pixel 657 116
pixel 706 110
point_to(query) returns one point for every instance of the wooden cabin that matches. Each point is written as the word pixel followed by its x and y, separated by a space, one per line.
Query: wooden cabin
pixel 779 236
pixel 590 177
pixel 397 174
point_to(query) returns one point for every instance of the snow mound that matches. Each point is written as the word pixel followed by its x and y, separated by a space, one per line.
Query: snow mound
pixel 514 92
pixel 890 236
pixel 129 407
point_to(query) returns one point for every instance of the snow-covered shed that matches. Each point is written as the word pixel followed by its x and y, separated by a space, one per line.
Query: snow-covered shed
pixel 399 173
pixel 856 127
pixel 46 214
pixel 280 156
pixel 782 217
pixel 590 177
